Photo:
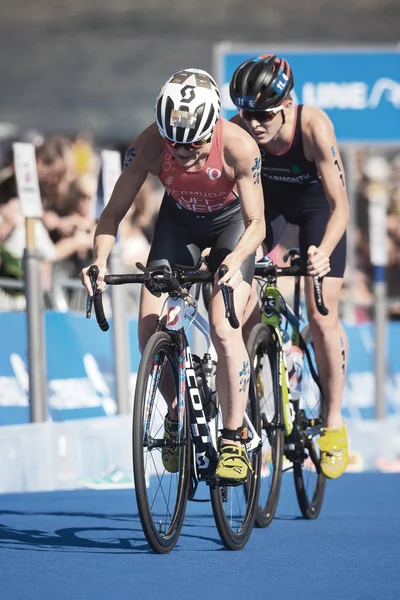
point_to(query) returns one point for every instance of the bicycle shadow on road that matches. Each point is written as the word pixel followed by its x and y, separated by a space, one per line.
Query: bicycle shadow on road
pixel 87 538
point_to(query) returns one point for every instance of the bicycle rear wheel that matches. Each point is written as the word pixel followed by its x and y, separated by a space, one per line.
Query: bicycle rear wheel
pixel 263 355
pixel 161 496
pixel 308 478
pixel 234 505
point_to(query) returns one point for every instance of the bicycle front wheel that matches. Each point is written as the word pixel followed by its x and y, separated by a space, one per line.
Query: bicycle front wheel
pixel 234 506
pixel 308 477
pixel 263 355
pixel 161 495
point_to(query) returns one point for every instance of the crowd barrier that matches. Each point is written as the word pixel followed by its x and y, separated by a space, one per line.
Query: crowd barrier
pixel 86 443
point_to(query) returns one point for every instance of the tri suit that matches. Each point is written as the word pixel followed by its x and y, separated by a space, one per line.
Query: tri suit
pixel 293 193
pixel 200 209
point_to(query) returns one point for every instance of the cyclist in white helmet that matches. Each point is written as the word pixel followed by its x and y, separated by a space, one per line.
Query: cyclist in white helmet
pixel 210 169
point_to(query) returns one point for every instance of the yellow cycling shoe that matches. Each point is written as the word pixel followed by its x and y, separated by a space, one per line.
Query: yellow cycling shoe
pixel 233 463
pixel 334 448
pixel 170 454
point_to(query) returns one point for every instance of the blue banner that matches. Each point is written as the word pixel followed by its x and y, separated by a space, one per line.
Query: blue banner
pixel 80 368
pixel 79 363
pixel 358 89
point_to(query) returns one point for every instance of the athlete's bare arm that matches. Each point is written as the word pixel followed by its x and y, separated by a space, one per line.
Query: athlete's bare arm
pixel 243 165
pixel 320 146
pixel 143 156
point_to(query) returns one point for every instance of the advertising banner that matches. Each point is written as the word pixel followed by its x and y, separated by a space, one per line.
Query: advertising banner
pixel 80 369
pixel 359 88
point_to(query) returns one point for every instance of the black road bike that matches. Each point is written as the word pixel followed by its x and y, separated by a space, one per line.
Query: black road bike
pixel 169 372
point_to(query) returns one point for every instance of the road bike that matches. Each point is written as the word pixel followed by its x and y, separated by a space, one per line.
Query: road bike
pixel 169 372
pixel 292 404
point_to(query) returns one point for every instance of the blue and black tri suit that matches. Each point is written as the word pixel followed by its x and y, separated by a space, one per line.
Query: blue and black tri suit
pixel 294 193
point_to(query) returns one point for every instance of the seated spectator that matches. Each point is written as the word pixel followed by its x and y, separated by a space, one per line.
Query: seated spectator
pixel 75 230
pixel 55 170
pixel 147 203
pixel 135 246
pixel 136 229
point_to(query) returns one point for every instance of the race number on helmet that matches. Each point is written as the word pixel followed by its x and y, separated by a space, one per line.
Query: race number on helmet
pixel 262 82
pixel 188 106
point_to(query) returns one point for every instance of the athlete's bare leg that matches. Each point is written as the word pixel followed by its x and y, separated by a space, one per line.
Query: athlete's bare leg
pixel 233 372
pixel 149 313
pixel 252 313
pixel 330 343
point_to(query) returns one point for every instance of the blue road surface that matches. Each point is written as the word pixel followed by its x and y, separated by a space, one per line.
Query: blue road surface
pixel 89 544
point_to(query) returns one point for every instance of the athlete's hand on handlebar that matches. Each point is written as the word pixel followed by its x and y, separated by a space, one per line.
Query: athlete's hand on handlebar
pixel 100 283
pixel 233 277
pixel 318 263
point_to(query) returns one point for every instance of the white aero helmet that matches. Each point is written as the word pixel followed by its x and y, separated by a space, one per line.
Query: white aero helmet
pixel 188 106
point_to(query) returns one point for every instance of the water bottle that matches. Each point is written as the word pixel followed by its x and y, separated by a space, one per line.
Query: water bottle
pixel 298 361
pixel 288 350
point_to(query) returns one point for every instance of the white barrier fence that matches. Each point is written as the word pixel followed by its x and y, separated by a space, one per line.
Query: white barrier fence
pixel 96 453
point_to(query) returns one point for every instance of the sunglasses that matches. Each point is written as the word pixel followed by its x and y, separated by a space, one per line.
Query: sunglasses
pixel 262 116
pixel 190 146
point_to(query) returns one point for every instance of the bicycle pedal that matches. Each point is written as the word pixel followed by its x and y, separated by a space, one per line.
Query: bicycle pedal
pixel 199 499
pixel 229 482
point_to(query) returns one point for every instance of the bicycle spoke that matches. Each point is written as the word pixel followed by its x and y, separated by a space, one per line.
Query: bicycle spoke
pixel 161 495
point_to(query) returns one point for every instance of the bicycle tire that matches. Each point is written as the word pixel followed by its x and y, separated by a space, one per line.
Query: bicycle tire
pixel 235 529
pixel 263 354
pixel 310 500
pixel 162 538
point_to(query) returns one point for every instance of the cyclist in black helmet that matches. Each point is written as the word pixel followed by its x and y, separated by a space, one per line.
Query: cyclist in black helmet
pixel 304 184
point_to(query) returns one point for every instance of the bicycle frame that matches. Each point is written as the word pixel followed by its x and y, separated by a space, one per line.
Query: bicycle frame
pixel 203 433
pixel 272 319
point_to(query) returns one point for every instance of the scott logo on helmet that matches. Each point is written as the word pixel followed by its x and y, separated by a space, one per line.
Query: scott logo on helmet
pixel 187 93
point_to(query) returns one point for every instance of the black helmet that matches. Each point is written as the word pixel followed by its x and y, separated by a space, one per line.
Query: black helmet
pixel 262 82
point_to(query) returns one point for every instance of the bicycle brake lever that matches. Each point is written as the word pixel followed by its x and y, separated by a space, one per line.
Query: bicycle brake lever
pixel 93 274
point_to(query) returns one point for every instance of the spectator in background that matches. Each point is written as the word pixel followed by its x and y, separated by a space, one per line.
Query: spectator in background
pixel 136 229
pixel 148 206
pixel 74 236
pixel 363 274
pixel 56 172
pixel 393 278
pixel 393 217
pixel 86 160
pixel 55 169
pixel 393 227
pixel 135 246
